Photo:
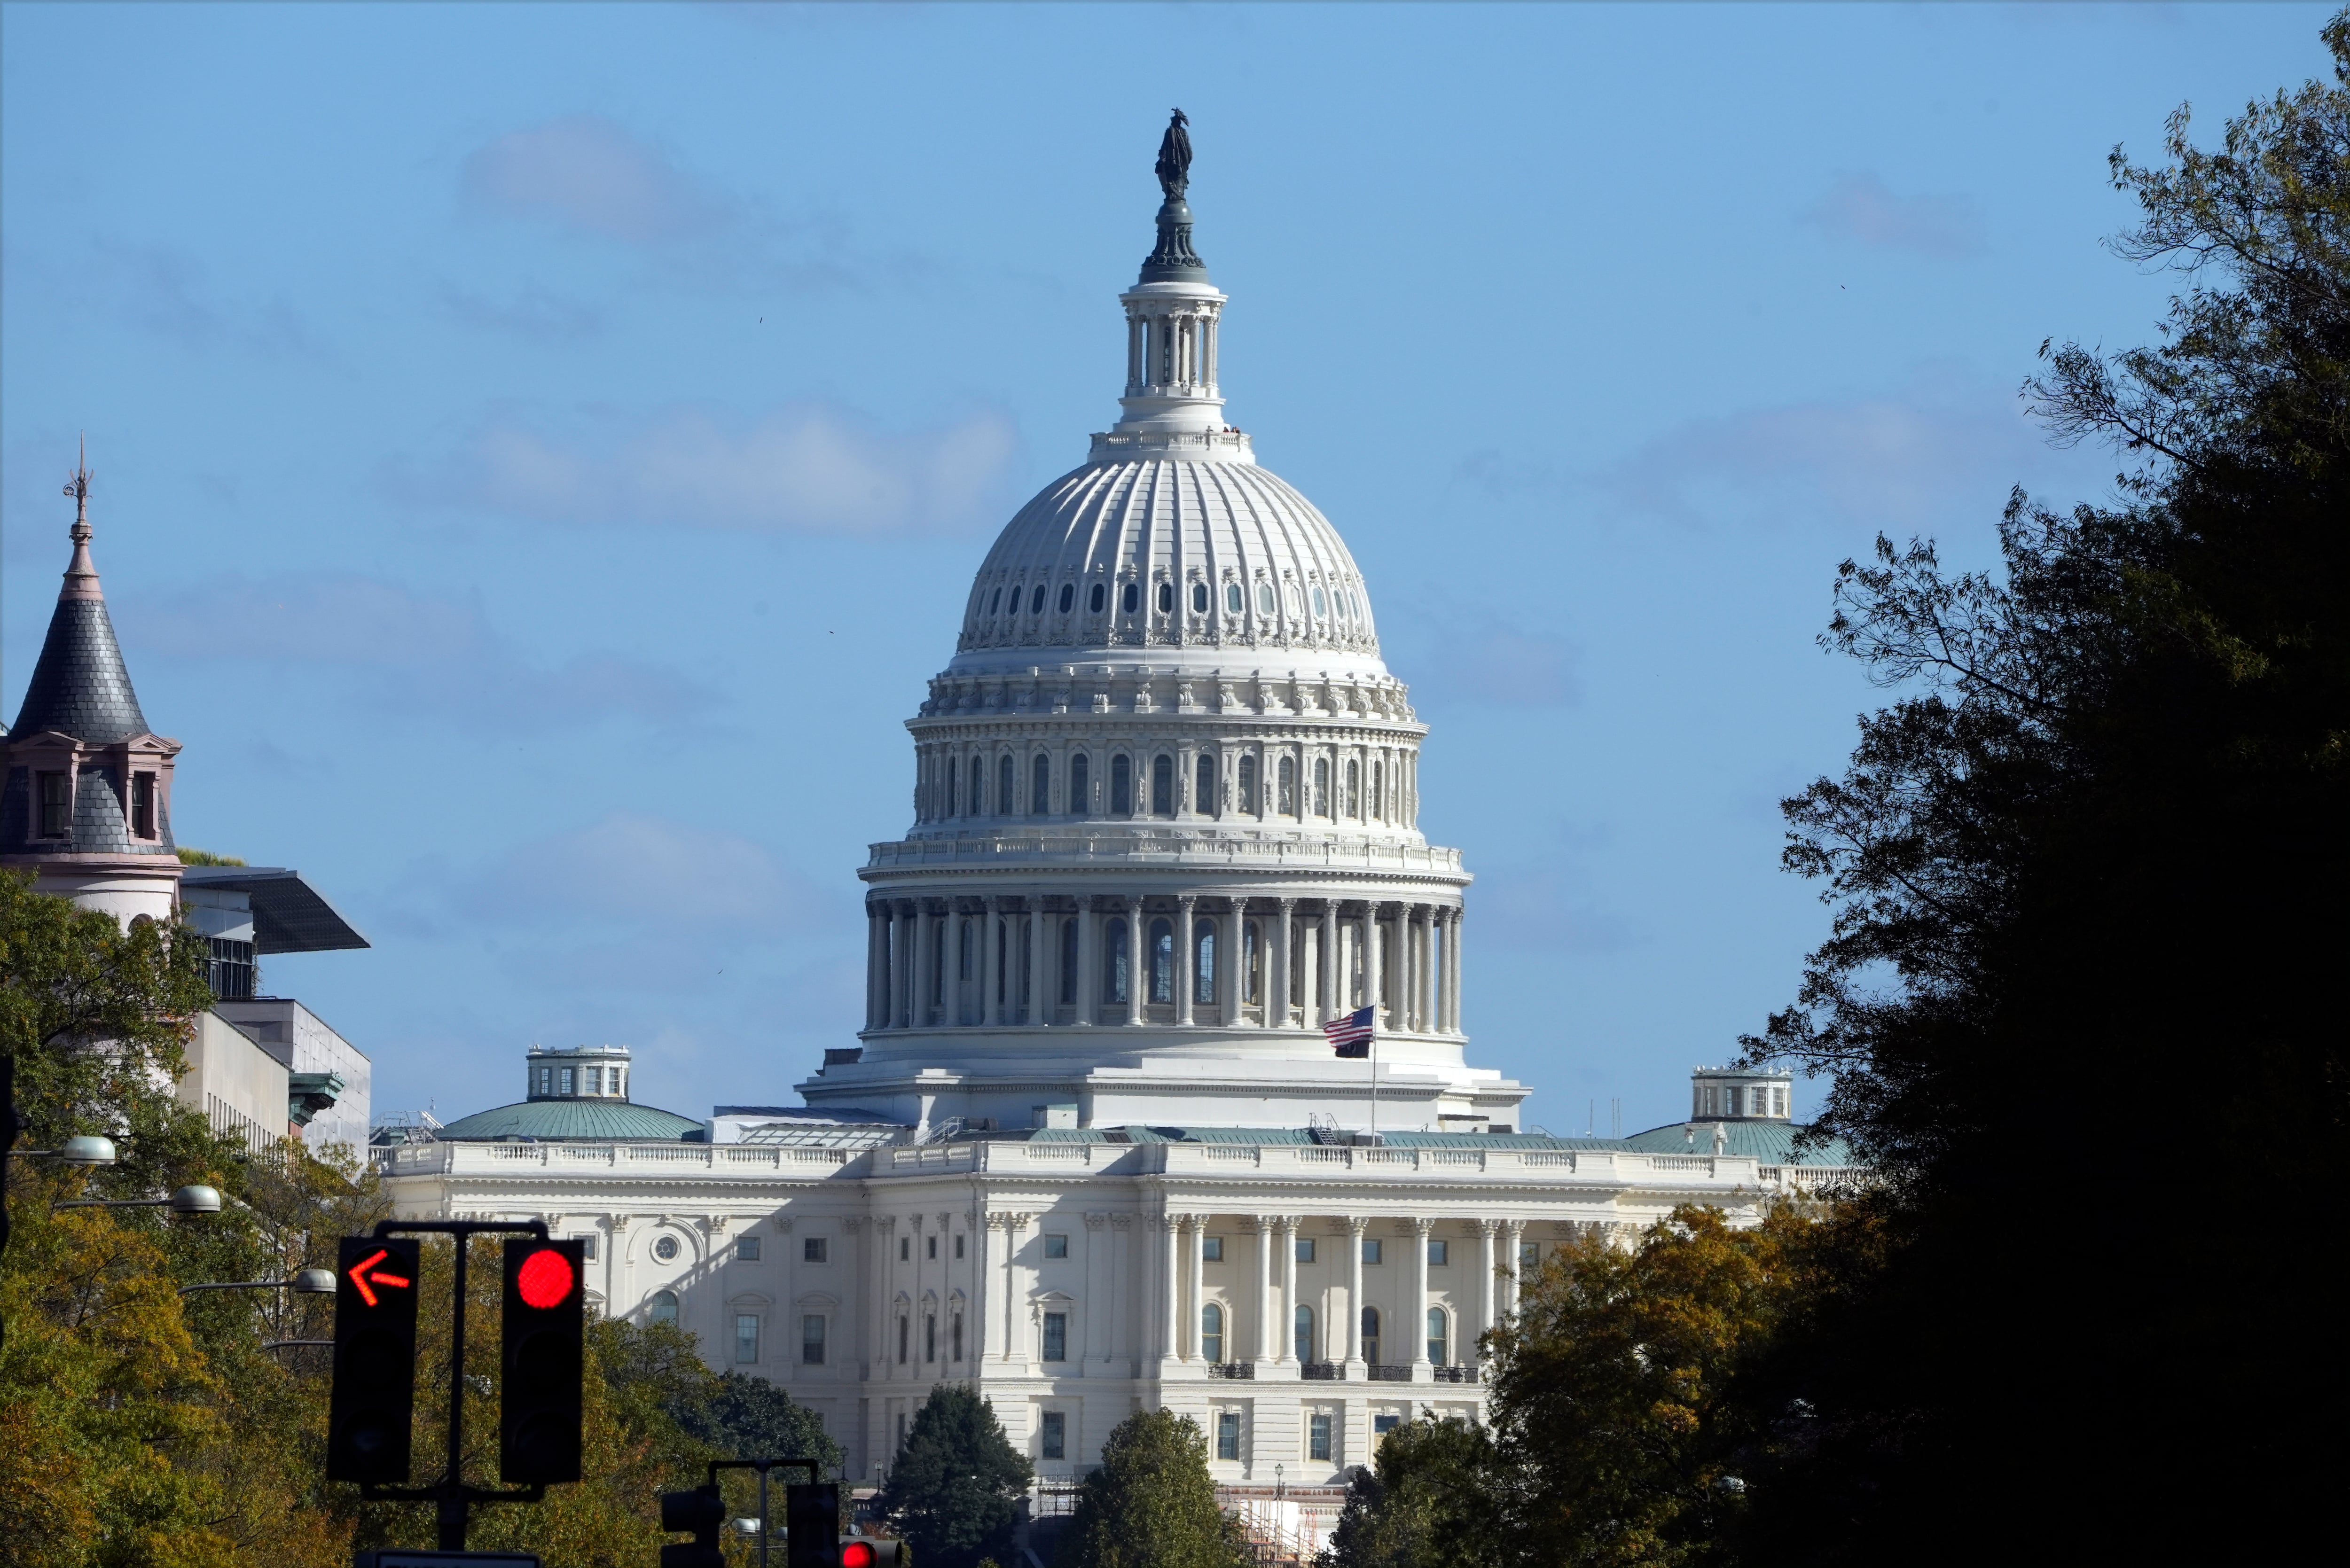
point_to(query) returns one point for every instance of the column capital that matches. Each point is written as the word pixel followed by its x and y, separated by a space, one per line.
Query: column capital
pixel 781 1222
pixel 1286 904
pixel 1420 1225
pixel 885 1223
pixel 1355 1225
pixel 855 1223
pixel 1487 1227
pixel 1095 1221
pixel 1186 900
pixel 1121 1222
pixel 1513 1227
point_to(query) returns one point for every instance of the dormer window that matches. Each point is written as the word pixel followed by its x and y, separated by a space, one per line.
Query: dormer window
pixel 56 801
pixel 568 1082
pixel 142 805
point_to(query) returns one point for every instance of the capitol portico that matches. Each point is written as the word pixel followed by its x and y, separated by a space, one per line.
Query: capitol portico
pixel 1091 1149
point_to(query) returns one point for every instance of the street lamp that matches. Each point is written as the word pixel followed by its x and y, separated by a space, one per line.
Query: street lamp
pixel 87 1149
pixel 191 1200
pixel 1277 1481
pixel 306 1282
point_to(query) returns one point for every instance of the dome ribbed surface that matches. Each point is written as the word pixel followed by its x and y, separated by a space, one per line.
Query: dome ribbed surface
pixel 572 1120
pixel 1274 572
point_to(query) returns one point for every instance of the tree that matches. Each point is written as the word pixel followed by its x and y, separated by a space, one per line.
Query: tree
pixel 1152 1503
pixel 1433 1490
pixel 955 1488
pixel 2087 870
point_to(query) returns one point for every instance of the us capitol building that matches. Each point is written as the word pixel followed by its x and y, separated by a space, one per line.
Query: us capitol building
pixel 1094 1152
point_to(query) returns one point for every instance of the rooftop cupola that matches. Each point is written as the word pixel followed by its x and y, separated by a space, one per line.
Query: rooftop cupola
pixel 1733 1095
pixel 578 1072
pixel 1172 313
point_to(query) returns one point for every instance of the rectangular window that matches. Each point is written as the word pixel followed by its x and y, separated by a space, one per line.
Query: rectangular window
pixel 746 1250
pixel 1529 1254
pixel 812 1340
pixel 142 805
pixel 54 801
pixel 930 1336
pixel 905 1249
pixel 1305 1249
pixel 1056 1246
pixel 1439 1254
pixel 746 1336
pixel 1382 1424
pixel 958 1247
pixel 1317 1436
pixel 1212 1249
pixel 812 1250
pixel 587 1248
pixel 931 1246
pixel 1056 1434
pixel 1372 1248
pixel 957 1336
pixel 1228 1433
pixel 1056 1336
pixel 905 1337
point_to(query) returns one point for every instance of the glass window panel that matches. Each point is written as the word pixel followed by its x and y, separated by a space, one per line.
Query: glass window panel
pixel 1436 1336
pixel 1204 962
pixel 1056 1434
pixel 1317 1436
pixel 1303 1328
pixel 1228 1422
pixel 1212 1332
pixel 747 1250
pixel 812 1340
pixel 663 1307
pixel 1056 1246
pixel 746 1336
pixel 813 1250
pixel 1056 1336
pixel 1162 960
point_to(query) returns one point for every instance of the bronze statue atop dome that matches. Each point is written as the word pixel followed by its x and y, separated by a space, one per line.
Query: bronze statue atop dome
pixel 1175 157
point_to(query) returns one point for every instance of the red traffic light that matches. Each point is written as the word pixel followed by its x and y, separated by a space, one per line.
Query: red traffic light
pixel 857 1555
pixel 545 1279
pixel 364 1275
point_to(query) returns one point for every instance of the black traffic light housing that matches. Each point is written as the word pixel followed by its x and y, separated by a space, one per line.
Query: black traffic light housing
pixel 812 1518
pixel 865 1551
pixel 544 1325
pixel 700 1511
pixel 375 1359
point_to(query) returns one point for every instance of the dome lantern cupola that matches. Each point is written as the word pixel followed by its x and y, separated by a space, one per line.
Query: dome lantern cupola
pixel 1171 316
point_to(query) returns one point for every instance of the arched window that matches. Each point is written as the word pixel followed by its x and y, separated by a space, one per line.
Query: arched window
pixel 1304 1332
pixel 1162 960
pixel 1199 598
pixel 1006 797
pixel 1264 598
pixel 1204 962
pixel 1040 785
pixel 1037 600
pixel 1233 603
pixel 1248 785
pixel 1321 786
pixel 1212 1333
pixel 1162 786
pixel 1288 803
pixel 1378 791
pixel 1121 786
pixel 1251 963
pixel 1068 598
pixel 1166 599
pixel 1371 1335
pixel 663 1308
pixel 1081 795
pixel 1069 962
pixel 995 601
pixel 1321 605
pixel 1131 599
pixel 1354 788
pixel 1436 1336
pixel 978 788
pixel 1114 975
pixel 1203 786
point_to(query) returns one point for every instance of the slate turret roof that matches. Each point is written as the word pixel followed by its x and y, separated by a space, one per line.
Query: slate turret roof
pixel 79 686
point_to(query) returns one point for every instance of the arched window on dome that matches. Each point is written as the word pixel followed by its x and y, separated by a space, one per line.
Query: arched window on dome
pixel 1203 786
pixel 1199 598
pixel 1162 960
pixel 1068 597
pixel 1114 975
pixel 1162 786
pixel 1037 600
pixel 1040 785
pixel 1166 599
pixel 1131 600
pixel 1069 962
pixel 1354 788
pixel 1321 607
pixel 1233 603
pixel 1121 786
pixel 1204 962
pixel 1248 783
pixel 1321 786
pixel 1264 598
pixel 1006 797
pixel 663 1308
pixel 1081 795
pixel 995 601
pixel 1287 804
pixel 1101 596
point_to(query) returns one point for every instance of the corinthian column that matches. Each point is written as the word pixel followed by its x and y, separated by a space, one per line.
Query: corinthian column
pixel 1138 978
pixel 1089 962
pixel 1182 978
pixel 1417 1327
pixel 992 965
pixel 1277 965
pixel 1040 1005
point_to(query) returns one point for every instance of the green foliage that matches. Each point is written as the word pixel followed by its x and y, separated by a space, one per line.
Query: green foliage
pixel 1152 1503
pixel 190 855
pixel 954 1489
pixel 738 1415
pixel 2087 869
pixel 1433 1486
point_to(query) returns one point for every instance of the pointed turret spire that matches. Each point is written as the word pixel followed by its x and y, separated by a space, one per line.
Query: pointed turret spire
pixel 79 686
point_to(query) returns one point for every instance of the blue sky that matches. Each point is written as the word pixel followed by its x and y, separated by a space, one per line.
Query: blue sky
pixel 542 451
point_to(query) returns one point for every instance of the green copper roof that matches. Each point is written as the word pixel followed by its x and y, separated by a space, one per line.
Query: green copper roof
pixel 1772 1143
pixel 572 1120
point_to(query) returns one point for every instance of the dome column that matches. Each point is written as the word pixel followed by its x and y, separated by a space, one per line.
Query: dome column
pixel 1089 960
pixel 1138 982
pixel 1279 963
pixel 927 960
pixel 994 966
pixel 1328 942
pixel 1184 982
pixel 1040 1005
pixel 1231 946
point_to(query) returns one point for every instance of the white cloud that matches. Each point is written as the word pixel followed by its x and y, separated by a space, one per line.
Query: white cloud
pixel 806 468
pixel 1862 207
pixel 406 651
pixel 585 172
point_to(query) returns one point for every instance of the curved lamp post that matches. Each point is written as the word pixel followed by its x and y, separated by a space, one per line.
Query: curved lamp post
pixel 195 1198
pixel 306 1282
pixel 88 1149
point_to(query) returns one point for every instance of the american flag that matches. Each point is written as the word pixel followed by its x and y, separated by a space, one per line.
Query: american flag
pixel 1350 1035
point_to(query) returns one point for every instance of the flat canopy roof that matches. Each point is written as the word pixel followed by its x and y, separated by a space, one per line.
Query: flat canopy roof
pixel 289 915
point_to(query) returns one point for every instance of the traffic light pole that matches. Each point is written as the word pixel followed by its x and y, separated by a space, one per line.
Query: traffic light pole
pixel 451 1492
pixel 763 1467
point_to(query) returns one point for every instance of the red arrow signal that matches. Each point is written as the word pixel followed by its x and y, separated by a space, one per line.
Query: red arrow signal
pixel 363 1274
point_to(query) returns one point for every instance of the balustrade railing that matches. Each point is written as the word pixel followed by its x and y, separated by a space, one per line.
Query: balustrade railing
pixel 1389 1372
pixel 1454 1373
pixel 1321 1371
pixel 1240 1370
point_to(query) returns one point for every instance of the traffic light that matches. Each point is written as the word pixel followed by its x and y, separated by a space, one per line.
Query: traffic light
pixel 812 1515
pixel 863 1552
pixel 700 1511
pixel 375 1359
pixel 545 1328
